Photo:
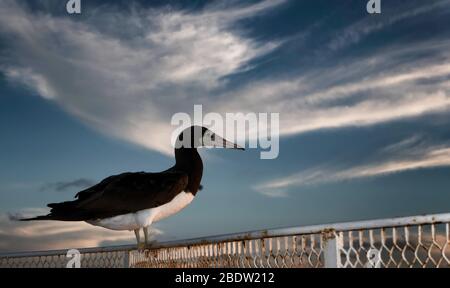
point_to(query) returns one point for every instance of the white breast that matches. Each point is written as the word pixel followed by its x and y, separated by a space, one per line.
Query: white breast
pixel 145 217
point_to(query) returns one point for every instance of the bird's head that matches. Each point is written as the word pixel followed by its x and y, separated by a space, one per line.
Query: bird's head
pixel 198 136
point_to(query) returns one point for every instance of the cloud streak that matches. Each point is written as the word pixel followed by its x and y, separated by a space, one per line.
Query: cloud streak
pixel 409 154
pixel 356 32
pixel 67 185
pixel 127 87
pixel 128 80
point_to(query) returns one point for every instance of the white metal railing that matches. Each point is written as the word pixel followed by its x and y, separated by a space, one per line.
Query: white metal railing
pixel 420 241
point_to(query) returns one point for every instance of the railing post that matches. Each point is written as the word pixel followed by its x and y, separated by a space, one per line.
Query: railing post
pixel 126 259
pixel 331 245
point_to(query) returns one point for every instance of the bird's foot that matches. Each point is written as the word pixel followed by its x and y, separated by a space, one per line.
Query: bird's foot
pixel 149 249
pixel 141 247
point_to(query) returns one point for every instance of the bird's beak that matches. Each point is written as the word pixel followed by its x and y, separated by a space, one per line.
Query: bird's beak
pixel 220 142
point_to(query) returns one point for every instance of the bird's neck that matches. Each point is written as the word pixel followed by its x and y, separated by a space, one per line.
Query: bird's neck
pixel 189 161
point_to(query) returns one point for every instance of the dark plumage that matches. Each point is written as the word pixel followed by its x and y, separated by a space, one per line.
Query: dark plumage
pixel 140 198
pixel 107 199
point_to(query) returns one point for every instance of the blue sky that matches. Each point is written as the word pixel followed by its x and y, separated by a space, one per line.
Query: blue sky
pixel 363 100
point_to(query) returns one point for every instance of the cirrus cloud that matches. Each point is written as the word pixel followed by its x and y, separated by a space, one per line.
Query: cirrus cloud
pixel 409 154
pixel 129 80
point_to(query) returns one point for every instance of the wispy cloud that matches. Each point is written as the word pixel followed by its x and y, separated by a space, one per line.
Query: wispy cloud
pixel 128 79
pixel 354 33
pixel 50 235
pixel 128 87
pixel 409 154
pixel 66 185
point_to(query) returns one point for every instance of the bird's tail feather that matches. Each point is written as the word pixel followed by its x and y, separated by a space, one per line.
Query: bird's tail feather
pixel 59 211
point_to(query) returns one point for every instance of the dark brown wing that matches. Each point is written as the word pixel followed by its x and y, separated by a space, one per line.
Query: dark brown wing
pixel 121 194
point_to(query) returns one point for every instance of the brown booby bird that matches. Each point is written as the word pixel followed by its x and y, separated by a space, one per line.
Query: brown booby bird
pixel 133 201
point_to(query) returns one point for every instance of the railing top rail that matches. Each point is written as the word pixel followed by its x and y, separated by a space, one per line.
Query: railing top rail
pixel 313 229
